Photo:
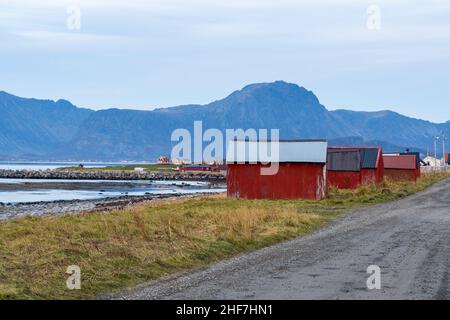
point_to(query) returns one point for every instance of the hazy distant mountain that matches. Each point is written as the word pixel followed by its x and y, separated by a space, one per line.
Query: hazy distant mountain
pixel 391 127
pixel 36 127
pixel 58 130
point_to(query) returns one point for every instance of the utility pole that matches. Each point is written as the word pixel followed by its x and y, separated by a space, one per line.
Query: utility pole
pixel 444 138
pixel 436 138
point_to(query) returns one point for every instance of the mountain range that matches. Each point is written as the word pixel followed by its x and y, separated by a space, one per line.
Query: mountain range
pixel 32 129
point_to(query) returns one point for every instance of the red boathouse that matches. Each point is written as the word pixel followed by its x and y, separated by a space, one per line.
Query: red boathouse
pixel 300 170
pixel 402 167
pixel 352 167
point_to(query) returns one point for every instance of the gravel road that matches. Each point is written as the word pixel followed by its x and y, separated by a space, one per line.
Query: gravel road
pixel 408 239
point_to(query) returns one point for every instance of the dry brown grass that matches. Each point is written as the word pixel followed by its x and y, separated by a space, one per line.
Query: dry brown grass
pixel 123 248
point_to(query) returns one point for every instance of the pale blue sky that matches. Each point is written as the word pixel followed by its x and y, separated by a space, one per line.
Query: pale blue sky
pixel 146 54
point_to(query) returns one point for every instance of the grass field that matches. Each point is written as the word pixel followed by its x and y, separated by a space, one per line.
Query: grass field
pixel 120 249
pixel 148 167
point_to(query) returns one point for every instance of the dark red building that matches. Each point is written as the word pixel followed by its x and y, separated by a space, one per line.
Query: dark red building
pixel 300 174
pixel 401 167
pixel 352 167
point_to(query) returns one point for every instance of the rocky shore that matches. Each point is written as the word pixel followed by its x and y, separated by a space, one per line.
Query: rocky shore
pixel 117 179
pixel 111 175
pixel 12 211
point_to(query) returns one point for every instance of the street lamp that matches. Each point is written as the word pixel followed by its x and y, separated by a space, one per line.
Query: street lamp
pixel 436 138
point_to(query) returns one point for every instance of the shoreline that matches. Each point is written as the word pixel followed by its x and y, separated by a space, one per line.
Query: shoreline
pixel 101 180
pixel 61 207
pixel 60 184
pixel 111 175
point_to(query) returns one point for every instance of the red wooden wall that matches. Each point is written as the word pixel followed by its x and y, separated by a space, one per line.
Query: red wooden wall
pixel 355 179
pixel 402 174
pixel 344 179
pixel 293 181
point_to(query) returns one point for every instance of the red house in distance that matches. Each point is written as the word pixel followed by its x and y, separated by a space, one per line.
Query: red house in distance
pixel 352 167
pixel 301 171
pixel 402 167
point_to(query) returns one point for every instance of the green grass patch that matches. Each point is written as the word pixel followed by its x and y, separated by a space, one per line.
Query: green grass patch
pixel 120 249
pixel 148 167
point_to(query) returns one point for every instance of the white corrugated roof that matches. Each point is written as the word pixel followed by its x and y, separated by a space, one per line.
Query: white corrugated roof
pixel 307 151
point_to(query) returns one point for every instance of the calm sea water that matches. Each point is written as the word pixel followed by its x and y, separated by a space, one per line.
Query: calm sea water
pixel 37 190
pixel 55 190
